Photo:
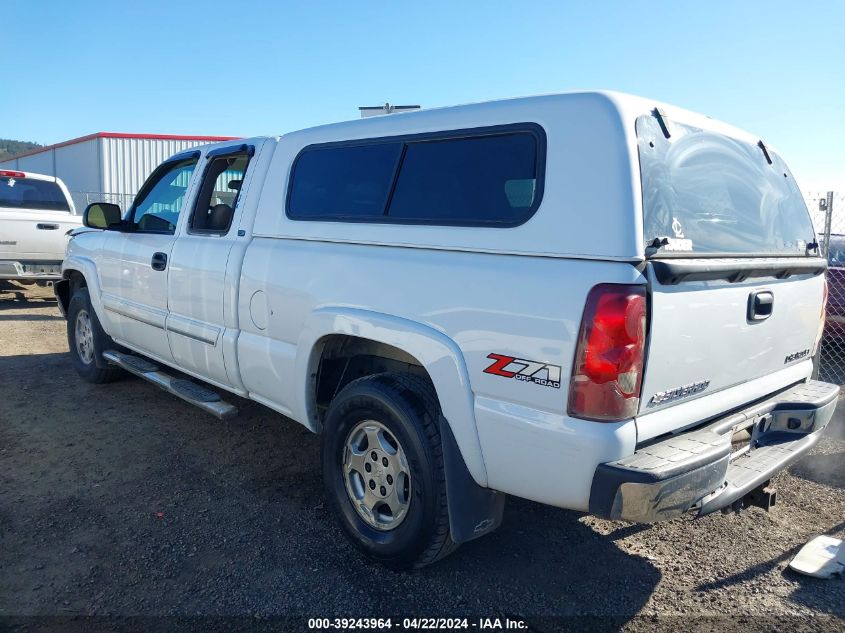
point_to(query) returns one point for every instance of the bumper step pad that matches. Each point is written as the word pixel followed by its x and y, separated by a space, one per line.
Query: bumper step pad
pixel 198 395
pixel 695 471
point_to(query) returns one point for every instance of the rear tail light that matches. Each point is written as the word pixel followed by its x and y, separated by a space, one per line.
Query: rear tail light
pixel 608 369
pixel 12 174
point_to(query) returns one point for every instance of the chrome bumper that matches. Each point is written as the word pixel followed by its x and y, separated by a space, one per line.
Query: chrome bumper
pixel 697 471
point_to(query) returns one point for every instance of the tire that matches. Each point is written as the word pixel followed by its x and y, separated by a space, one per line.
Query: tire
pixel 87 340
pixel 404 408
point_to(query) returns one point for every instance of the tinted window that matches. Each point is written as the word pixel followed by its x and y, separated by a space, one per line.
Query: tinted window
pixel 489 179
pixel 157 210
pixel 343 182
pixel 477 177
pixel 28 193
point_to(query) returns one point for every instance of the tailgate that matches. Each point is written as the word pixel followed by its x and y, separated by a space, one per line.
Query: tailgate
pixel 35 234
pixel 705 336
pixel 736 283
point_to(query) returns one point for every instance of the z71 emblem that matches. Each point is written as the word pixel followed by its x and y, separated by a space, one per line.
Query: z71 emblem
pixel 526 370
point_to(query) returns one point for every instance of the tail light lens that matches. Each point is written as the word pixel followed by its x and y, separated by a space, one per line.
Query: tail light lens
pixel 608 370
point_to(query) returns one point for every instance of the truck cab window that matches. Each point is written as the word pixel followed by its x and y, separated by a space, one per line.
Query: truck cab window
pixel 158 205
pixel 218 197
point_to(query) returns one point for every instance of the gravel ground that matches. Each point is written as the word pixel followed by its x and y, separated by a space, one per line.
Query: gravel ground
pixel 122 500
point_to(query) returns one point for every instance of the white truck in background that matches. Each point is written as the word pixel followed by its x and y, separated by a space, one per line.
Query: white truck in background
pixel 36 214
pixel 590 300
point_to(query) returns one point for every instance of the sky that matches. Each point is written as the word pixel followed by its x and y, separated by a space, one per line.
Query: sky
pixel 242 68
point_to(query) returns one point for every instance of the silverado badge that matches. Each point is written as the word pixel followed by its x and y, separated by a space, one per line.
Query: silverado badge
pixel 678 392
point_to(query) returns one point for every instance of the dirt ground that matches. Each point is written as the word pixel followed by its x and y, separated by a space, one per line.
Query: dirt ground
pixel 122 500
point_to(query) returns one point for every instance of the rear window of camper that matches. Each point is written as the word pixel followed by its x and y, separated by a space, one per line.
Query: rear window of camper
pixel 709 193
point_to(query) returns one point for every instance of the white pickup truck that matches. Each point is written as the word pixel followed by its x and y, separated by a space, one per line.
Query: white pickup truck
pixel 36 214
pixel 590 300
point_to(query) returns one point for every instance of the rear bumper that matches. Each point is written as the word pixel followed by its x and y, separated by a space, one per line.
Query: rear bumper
pixel 31 270
pixel 698 472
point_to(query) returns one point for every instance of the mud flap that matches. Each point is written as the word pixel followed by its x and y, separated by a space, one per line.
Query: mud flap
pixel 473 511
pixel 62 291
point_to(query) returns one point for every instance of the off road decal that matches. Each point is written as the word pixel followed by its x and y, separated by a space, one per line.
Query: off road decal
pixel 525 370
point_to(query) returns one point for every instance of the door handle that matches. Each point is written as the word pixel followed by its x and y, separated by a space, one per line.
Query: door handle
pixel 159 261
pixel 760 305
pixel 41 226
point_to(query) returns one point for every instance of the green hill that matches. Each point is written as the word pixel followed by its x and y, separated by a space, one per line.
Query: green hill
pixel 9 147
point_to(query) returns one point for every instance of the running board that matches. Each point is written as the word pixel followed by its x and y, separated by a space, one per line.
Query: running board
pixel 198 395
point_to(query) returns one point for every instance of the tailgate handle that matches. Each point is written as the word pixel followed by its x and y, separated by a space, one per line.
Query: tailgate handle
pixel 46 227
pixel 760 305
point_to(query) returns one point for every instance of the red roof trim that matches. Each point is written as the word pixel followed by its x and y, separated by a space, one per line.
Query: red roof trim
pixel 152 137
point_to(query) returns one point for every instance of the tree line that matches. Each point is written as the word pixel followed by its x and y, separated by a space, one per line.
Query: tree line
pixel 8 147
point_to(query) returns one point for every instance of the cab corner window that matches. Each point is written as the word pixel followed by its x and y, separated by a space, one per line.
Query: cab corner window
pixel 218 195
pixel 158 205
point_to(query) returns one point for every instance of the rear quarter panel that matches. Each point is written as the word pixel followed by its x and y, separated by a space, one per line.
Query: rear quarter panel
pixel 525 307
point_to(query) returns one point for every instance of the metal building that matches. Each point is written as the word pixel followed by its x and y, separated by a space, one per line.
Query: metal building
pixel 106 166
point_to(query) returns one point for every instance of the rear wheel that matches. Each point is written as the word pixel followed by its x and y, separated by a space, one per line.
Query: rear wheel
pixel 88 341
pixel 383 469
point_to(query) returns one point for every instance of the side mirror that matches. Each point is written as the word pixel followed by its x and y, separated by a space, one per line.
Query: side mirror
pixel 101 215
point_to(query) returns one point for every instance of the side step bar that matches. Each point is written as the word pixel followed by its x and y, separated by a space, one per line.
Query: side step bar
pixel 198 395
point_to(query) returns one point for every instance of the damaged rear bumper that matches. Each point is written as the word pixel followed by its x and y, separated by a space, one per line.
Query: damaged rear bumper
pixel 698 471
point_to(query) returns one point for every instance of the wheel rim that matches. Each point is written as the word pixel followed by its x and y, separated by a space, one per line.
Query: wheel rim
pixel 84 337
pixel 376 473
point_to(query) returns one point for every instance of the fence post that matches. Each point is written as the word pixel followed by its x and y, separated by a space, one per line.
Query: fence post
pixel 825 248
pixel 828 216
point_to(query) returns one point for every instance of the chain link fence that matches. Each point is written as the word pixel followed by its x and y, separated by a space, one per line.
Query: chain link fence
pixel 82 199
pixel 828 212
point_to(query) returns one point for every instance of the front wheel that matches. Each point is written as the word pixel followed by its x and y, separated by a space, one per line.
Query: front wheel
pixel 87 340
pixel 383 469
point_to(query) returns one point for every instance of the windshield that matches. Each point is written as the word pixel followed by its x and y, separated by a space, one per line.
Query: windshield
pixel 709 193
pixel 27 193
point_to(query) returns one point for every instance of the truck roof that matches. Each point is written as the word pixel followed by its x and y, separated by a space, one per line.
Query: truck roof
pixel 628 106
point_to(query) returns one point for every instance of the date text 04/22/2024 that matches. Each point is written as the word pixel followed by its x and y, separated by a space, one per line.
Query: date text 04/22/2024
pixel 415 624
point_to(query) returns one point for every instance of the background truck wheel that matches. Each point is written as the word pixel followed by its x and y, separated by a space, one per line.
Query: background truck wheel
pixel 87 340
pixel 383 469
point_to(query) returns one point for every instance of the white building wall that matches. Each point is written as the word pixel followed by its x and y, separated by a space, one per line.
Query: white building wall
pixel 128 161
pixel 41 163
pixel 78 165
